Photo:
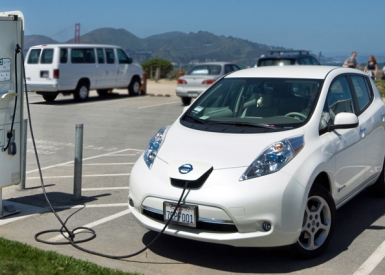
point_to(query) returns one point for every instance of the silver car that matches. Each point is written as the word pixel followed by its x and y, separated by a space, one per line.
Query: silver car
pixel 200 77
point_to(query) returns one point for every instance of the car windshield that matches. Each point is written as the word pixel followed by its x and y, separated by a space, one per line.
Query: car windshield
pixel 205 70
pixel 276 62
pixel 252 105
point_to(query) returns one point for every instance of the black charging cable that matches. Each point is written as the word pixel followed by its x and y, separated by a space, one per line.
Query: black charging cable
pixel 70 235
pixel 10 134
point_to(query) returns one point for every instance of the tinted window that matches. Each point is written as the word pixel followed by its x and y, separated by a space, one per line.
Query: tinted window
pixel 82 56
pixel 362 91
pixel 205 70
pixel 122 57
pixel 47 56
pixel 63 56
pixel 110 56
pixel 100 53
pixel 33 57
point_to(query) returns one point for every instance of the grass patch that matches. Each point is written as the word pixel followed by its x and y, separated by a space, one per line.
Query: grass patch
pixel 21 259
pixel 381 86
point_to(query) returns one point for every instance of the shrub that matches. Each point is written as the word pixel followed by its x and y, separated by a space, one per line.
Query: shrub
pixel 150 67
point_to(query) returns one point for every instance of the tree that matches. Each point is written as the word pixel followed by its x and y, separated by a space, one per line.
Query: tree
pixel 150 66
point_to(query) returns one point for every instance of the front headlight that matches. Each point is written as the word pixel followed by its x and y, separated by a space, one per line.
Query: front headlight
pixel 274 157
pixel 154 146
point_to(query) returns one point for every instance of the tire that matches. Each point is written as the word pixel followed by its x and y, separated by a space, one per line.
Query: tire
pixel 134 87
pixel 318 224
pixel 378 188
pixel 103 92
pixel 49 98
pixel 186 100
pixel 81 91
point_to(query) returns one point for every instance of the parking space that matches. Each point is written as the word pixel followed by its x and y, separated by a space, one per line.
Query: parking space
pixel 116 133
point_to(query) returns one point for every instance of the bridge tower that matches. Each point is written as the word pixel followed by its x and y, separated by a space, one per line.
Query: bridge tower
pixel 77 33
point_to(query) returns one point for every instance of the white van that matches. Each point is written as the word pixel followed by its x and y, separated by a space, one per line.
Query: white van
pixel 78 68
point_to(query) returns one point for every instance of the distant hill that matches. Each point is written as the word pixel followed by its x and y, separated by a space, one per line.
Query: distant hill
pixel 177 47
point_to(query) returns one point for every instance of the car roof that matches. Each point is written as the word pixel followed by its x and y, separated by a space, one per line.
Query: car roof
pixel 75 46
pixel 214 63
pixel 289 53
pixel 300 71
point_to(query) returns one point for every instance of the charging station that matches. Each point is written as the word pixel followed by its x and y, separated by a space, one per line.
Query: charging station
pixel 11 102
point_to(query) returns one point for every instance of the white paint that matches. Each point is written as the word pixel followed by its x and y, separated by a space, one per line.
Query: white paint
pixel 93 224
pixel 370 264
pixel 83 176
pixel 105 188
pixel 150 106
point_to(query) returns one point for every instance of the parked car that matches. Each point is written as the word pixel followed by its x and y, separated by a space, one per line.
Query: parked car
pixel 200 77
pixel 283 58
pixel 268 155
pixel 78 68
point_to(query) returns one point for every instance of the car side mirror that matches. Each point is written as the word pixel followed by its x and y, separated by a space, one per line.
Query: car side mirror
pixel 129 61
pixel 344 121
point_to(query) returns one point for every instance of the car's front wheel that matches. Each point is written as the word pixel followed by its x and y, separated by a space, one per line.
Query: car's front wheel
pixel 318 223
pixel 134 87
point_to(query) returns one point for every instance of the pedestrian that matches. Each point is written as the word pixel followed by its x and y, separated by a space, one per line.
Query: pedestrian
pixel 383 72
pixel 351 61
pixel 371 67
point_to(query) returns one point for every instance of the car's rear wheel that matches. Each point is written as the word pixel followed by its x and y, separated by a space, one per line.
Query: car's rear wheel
pixel 49 98
pixel 134 87
pixel 186 100
pixel 378 188
pixel 81 91
pixel 318 223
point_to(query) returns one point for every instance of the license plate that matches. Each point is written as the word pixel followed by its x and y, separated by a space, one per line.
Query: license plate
pixel 192 94
pixel 185 215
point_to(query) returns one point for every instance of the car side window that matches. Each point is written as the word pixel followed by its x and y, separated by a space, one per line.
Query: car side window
pixel 339 99
pixel 362 91
pixel 63 56
pixel 82 56
pixel 122 57
pixel 100 54
pixel 47 56
pixel 110 56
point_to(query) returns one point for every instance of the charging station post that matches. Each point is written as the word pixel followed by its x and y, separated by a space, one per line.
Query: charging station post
pixel 78 163
pixel 11 102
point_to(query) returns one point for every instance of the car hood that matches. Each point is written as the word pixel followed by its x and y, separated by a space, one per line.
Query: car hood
pixel 219 150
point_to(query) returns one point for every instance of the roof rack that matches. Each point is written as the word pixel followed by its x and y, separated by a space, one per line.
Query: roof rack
pixel 290 51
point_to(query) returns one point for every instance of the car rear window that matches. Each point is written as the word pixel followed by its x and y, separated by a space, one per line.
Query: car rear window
pixel 205 70
pixel 276 62
pixel 33 57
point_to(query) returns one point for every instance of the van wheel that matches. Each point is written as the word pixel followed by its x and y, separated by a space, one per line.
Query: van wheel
pixel 81 91
pixel 318 224
pixel 103 92
pixel 134 87
pixel 186 100
pixel 49 98
pixel 378 188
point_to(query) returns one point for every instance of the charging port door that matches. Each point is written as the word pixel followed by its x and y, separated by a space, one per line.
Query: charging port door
pixel 11 90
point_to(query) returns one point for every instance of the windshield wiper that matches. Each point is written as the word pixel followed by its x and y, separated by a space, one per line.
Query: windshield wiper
pixel 195 119
pixel 237 123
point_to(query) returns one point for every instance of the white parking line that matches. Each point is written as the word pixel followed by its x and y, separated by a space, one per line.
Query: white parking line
pixel 105 188
pixel 90 206
pixel 83 176
pixel 93 224
pixel 94 157
pixel 370 264
pixel 150 106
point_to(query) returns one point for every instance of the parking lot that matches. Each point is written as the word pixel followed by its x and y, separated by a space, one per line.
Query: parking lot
pixel 116 131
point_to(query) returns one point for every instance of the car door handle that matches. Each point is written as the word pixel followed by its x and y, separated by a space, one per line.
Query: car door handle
pixel 362 130
pixel 382 115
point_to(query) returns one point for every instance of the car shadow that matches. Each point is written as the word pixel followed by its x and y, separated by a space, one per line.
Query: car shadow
pixel 353 218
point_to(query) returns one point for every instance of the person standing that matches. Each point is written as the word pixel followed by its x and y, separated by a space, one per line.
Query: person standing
pixel 371 67
pixel 351 61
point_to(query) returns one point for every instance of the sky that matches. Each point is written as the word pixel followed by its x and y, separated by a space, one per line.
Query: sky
pixel 329 26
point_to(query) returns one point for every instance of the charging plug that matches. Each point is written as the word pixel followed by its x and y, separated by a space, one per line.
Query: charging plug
pixel 12 148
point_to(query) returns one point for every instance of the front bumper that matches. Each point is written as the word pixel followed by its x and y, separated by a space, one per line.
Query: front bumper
pixel 223 199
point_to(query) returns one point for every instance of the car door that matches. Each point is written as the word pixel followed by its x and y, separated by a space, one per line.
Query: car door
pixel 124 74
pixel 111 68
pixel 349 144
pixel 102 71
pixel 371 124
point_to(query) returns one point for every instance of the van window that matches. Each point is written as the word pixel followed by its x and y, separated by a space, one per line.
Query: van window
pixel 82 56
pixel 33 57
pixel 123 58
pixel 46 56
pixel 100 53
pixel 110 56
pixel 63 56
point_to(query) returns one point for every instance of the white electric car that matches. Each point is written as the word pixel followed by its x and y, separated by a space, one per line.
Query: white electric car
pixel 266 156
